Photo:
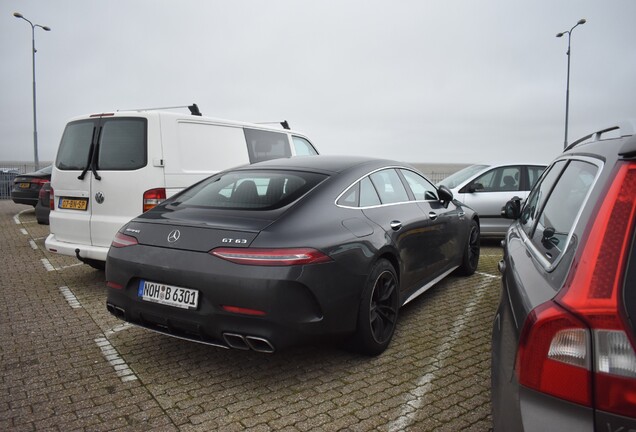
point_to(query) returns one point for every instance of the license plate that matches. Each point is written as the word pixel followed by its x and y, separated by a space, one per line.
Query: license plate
pixel 24 185
pixel 73 203
pixel 184 298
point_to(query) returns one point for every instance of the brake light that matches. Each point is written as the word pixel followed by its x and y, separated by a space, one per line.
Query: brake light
pixel 271 257
pixel 123 240
pixel 39 181
pixel 52 199
pixel 153 197
pixel 589 308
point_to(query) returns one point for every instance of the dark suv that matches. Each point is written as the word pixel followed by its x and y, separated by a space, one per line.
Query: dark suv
pixel 563 342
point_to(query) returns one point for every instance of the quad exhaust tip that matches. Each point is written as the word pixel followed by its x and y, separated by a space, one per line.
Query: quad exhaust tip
pixel 245 343
pixel 233 340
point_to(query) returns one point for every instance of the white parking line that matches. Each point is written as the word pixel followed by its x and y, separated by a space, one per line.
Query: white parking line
pixel 16 218
pixel 23 231
pixel 70 297
pixel 109 352
pixel 50 267
pixel 487 275
pixel 411 407
pixel 33 245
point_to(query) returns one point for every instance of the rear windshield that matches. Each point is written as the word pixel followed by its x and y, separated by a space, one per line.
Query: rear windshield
pixel 253 190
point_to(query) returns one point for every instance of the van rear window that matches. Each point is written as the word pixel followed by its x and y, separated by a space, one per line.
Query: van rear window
pixel 121 146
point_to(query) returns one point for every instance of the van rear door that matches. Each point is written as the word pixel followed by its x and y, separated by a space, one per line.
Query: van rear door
pixel 101 174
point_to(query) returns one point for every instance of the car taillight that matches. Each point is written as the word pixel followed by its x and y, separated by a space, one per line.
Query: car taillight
pixel 271 257
pixel 52 199
pixel 586 319
pixel 153 197
pixel 123 240
pixel 39 181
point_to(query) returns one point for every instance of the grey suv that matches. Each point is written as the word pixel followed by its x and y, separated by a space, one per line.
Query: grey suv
pixel 563 342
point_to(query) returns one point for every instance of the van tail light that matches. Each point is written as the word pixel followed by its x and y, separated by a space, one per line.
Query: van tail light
pixel 153 197
pixel 52 199
pixel 123 240
pixel 578 346
pixel 271 257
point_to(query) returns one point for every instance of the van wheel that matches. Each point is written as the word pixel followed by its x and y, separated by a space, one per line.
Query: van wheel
pixel 96 264
pixel 471 251
pixel 378 312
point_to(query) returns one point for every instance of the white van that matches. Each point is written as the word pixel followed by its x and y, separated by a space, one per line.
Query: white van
pixel 111 167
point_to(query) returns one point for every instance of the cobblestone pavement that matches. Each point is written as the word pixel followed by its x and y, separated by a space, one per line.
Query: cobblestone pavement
pixel 67 364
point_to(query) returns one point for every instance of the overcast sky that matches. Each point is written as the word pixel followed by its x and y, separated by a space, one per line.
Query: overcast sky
pixel 419 81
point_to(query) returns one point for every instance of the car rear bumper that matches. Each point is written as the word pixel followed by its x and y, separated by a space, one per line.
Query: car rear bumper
pixel 298 302
pixel 85 251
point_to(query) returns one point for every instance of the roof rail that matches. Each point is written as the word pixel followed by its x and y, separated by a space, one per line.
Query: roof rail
pixel 194 109
pixel 625 128
pixel 284 124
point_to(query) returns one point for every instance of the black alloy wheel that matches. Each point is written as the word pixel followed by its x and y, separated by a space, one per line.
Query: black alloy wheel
pixel 471 253
pixel 378 312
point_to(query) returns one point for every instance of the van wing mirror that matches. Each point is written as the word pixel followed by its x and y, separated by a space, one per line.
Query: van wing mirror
pixel 512 209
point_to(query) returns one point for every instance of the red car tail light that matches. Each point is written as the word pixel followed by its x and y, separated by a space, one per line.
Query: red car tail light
pixel 123 240
pixel 52 199
pixel 591 303
pixel 243 311
pixel 271 257
pixel 39 181
pixel 153 197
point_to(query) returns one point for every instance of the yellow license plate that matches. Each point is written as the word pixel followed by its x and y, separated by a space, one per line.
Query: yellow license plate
pixel 73 204
pixel 24 185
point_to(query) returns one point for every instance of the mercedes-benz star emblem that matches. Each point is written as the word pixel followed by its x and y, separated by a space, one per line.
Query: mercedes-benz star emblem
pixel 99 197
pixel 174 236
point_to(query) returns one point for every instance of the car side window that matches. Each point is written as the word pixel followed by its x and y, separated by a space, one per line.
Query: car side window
pixel 350 198
pixel 562 208
pixel 368 195
pixel 534 172
pixel 501 179
pixel 422 189
pixel 302 147
pixel 531 209
pixel 264 145
pixel 389 186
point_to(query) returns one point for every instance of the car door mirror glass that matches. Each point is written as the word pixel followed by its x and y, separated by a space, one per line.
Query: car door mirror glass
pixel 445 194
pixel 512 209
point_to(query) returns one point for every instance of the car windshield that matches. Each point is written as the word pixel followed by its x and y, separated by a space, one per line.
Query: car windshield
pixel 250 190
pixel 454 180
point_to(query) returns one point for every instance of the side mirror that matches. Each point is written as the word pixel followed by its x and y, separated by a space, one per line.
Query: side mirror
pixel 445 194
pixel 474 187
pixel 512 209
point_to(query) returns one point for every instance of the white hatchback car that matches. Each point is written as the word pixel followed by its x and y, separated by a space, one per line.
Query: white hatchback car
pixel 487 188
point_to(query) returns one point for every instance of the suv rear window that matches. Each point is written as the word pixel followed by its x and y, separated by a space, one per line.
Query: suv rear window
pixel 250 190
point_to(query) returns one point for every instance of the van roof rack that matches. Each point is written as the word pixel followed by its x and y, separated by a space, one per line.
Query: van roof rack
pixel 284 124
pixel 625 128
pixel 194 109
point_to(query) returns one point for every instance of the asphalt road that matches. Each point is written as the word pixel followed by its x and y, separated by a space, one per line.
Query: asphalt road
pixel 67 364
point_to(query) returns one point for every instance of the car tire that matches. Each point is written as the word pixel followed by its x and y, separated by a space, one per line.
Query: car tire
pixel 378 311
pixel 470 260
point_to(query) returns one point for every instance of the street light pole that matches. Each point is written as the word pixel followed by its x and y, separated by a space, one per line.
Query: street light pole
pixel 567 91
pixel 35 121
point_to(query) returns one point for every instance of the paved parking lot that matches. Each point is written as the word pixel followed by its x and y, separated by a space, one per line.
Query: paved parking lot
pixel 67 364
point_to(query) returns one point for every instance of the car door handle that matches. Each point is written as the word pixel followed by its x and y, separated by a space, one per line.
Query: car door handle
pixel 395 225
pixel 432 215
